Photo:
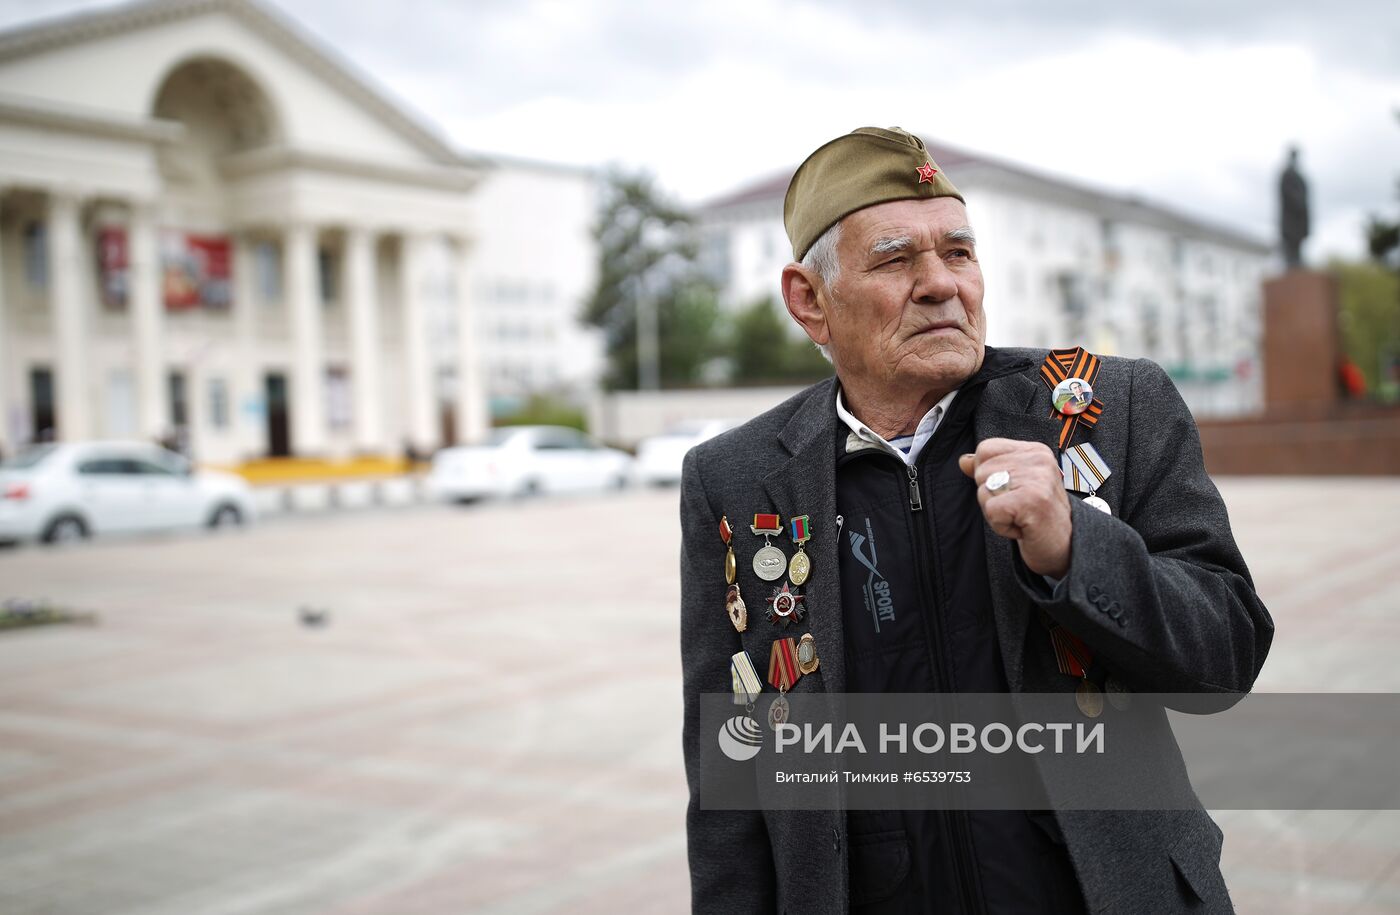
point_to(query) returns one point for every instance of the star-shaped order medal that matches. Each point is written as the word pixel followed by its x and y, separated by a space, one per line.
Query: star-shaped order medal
pixel 785 605
pixel 926 173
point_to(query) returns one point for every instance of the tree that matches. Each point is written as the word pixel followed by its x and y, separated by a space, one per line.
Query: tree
pixel 764 350
pixel 1371 307
pixel 647 259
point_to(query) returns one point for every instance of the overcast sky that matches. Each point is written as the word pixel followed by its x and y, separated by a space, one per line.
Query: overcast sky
pixel 1190 103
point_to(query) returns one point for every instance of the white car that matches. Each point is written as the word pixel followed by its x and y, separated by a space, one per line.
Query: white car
pixel 525 460
pixel 659 458
pixel 58 493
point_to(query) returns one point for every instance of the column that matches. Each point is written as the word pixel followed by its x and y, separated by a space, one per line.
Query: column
pixel 147 324
pixel 418 380
pixel 308 376
pixel 473 417
pixel 361 297
pixel 245 387
pixel 7 442
pixel 70 315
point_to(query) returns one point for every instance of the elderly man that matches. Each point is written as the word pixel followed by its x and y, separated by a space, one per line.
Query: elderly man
pixel 948 529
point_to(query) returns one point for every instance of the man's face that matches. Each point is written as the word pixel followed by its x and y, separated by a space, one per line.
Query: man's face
pixel 906 307
pixel 1076 389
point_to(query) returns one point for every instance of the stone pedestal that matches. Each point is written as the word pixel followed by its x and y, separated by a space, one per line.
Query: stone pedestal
pixel 1301 342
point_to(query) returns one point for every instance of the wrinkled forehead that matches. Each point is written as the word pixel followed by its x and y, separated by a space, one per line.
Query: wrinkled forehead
pixel 921 221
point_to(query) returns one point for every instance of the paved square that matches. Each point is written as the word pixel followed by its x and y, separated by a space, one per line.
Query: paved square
pixel 490 720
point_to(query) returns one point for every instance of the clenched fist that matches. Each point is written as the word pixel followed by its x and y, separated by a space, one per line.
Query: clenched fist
pixel 1034 509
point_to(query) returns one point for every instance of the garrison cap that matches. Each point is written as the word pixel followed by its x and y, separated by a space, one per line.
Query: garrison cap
pixel 867 166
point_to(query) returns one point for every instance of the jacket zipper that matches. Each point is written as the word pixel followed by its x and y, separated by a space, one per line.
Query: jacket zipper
pixel 956 819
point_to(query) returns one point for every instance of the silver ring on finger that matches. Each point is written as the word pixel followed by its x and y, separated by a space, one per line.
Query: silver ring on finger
pixel 999 482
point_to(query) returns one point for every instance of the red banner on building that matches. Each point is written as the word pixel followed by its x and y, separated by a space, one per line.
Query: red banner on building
pixel 113 260
pixel 196 271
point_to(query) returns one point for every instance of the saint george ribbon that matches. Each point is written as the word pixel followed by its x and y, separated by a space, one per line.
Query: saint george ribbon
pixel 1072 363
pixel 782 665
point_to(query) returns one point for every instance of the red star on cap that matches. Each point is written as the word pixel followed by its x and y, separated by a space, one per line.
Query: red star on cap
pixel 926 172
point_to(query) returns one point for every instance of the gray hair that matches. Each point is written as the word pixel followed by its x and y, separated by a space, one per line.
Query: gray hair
pixel 821 258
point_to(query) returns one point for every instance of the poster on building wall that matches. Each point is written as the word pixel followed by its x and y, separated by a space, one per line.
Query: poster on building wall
pixel 196 271
pixel 113 260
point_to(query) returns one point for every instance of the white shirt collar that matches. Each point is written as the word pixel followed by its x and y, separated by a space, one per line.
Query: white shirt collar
pixel 863 436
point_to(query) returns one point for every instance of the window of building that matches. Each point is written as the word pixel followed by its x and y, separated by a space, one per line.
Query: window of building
pixel 338 412
pixel 327 275
pixel 218 403
pixel 179 404
pixel 36 254
pixel 267 268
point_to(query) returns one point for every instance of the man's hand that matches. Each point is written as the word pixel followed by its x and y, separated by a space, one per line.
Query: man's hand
pixel 1034 509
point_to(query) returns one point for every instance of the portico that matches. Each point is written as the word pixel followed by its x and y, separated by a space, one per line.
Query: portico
pixel 247 250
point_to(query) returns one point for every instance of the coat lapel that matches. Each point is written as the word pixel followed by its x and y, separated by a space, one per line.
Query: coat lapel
pixel 806 485
pixel 1011 408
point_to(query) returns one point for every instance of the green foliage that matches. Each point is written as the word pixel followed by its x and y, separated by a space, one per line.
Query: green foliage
pixel 1370 320
pixel 647 251
pixel 543 410
pixel 764 351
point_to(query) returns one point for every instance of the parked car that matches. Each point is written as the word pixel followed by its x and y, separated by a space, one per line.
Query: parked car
pixel 659 458
pixel 525 460
pixel 58 493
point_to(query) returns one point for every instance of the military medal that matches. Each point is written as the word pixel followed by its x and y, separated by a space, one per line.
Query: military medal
pixel 769 563
pixel 734 606
pixel 726 534
pixel 1118 695
pixel 1085 470
pixel 1089 699
pixel 783 672
pixel 785 606
pixel 1074 659
pixel 733 600
pixel 807 660
pixel 778 711
pixel 745 679
pixel 800 566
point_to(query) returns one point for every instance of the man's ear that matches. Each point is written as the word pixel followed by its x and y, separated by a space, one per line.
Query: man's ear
pixel 800 295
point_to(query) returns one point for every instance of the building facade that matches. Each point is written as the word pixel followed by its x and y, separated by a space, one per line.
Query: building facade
pixel 1064 264
pixel 212 228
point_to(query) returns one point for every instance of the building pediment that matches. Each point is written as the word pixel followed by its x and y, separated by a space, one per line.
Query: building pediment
pixel 118 62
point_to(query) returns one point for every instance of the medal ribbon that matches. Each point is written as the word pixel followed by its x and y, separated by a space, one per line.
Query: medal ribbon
pixel 1072 363
pixel 745 679
pixel 726 533
pixel 782 665
pixel 1084 470
pixel 767 524
pixel 801 529
pixel 1071 654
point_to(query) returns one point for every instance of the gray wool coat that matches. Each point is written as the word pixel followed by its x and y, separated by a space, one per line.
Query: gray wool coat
pixel 1188 621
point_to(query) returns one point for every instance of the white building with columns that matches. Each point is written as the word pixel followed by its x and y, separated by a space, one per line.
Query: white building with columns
pixel 1065 264
pixel 211 226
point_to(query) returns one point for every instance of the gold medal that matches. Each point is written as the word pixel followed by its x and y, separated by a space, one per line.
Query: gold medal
pixel 1089 699
pixel 800 566
pixel 726 533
